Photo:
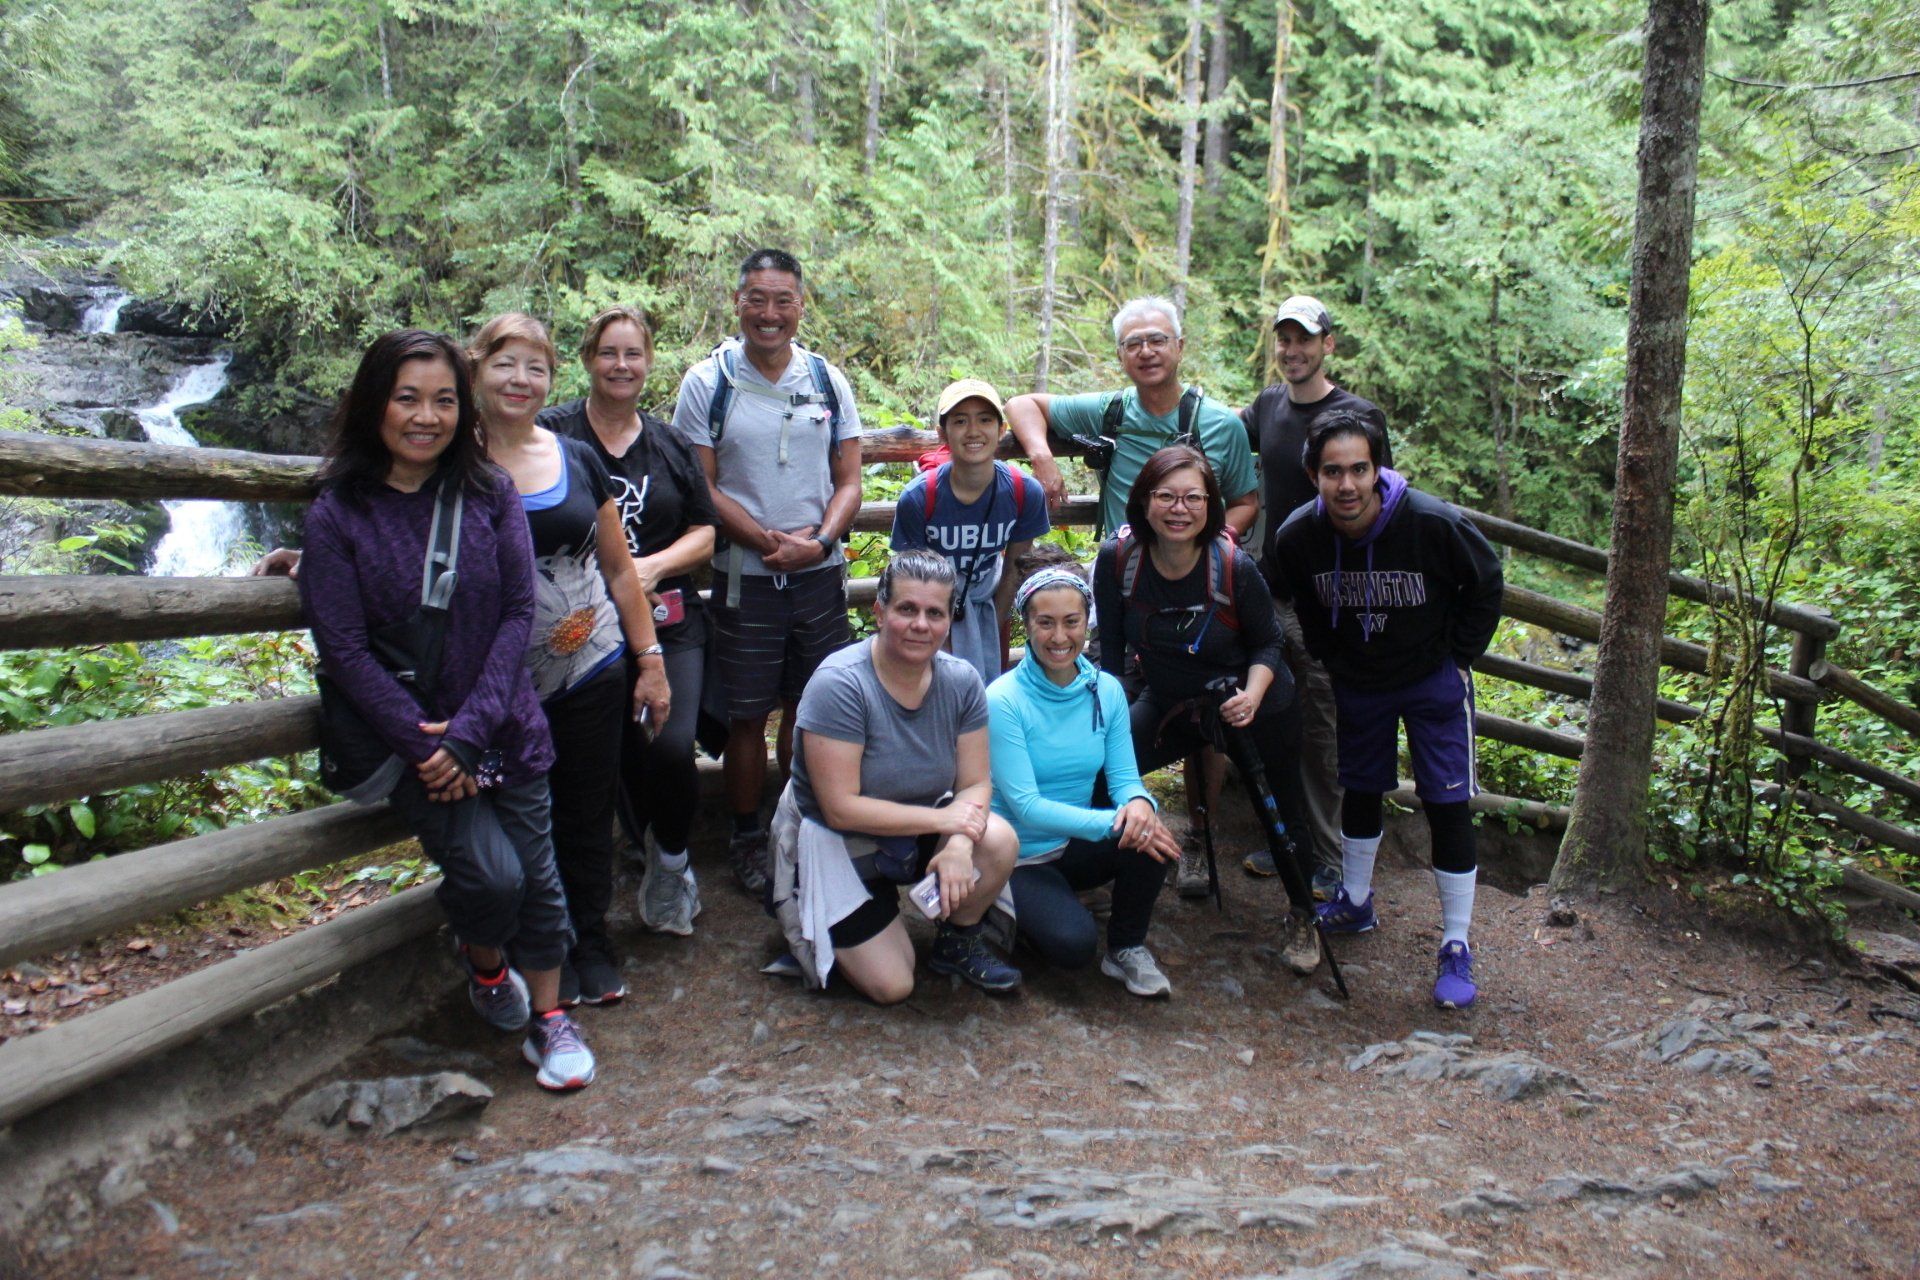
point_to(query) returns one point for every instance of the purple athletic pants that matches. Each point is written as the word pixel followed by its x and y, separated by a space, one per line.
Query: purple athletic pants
pixel 1438 711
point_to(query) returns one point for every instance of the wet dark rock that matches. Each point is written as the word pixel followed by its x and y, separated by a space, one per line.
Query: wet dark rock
pixel 385 1107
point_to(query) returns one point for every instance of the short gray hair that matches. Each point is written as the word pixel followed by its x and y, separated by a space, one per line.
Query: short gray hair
pixel 917 566
pixel 1134 308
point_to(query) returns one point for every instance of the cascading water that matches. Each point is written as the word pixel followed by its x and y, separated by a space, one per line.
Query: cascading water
pixel 104 315
pixel 202 532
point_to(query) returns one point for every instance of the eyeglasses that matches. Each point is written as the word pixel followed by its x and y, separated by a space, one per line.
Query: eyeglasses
pixel 1133 344
pixel 1169 499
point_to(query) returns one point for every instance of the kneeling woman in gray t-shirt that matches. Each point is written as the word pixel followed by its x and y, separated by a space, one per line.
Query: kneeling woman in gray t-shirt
pixel 890 785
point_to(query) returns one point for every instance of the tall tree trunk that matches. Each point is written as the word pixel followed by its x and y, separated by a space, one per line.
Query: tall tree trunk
pixel 875 70
pixel 1006 201
pixel 1070 136
pixel 1215 151
pixel 1606 840
pixel 386 59
pixel 1189 152
pixel 1502 477
pixel 1061 15
pixel 1279 217
pixel 1373 168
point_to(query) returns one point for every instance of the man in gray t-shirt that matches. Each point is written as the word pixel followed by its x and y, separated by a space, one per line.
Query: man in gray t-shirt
pixel 909 755
pixel 775 428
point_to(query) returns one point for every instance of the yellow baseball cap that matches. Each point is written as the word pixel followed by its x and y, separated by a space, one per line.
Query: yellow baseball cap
pixel 966 389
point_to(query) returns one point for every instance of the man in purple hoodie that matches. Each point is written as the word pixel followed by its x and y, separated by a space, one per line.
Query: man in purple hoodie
pixel 1397 594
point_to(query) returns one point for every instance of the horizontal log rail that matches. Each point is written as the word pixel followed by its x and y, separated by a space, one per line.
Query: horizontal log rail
pixel 1861 694
pixel 40 766
pixel 63 467
pixel 38 611
pixel 1792 744
pixel 46 913
pixel 1537 814
pixel 65 1059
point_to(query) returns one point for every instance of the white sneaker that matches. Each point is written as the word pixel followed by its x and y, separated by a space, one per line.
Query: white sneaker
pixel 1135 967
pixel 669 900
pixel 553 1044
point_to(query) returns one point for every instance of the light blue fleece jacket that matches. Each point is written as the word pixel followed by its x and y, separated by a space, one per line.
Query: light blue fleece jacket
pixel 1049 745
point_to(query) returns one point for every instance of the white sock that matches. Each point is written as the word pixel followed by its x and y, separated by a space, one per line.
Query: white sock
pixel 1456 903
pixel 1356 865
pixel 673 861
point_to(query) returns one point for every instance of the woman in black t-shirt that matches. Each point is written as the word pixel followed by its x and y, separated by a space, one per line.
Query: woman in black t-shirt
pixel 591 624
pixel 668 515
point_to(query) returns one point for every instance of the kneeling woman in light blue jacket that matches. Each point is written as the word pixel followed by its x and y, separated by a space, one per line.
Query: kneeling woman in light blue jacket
pixel 1056 722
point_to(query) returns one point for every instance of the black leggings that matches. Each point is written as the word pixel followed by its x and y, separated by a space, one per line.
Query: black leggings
pixel 1363 817
pixel 585 722
pixel 661 780
pixel 1159 741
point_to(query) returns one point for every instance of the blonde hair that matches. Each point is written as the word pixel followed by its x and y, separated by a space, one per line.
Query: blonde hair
pixel 511 326
pixel 598 326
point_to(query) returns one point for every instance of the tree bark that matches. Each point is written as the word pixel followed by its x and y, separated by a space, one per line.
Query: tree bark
pixel 1373 170
pixel 1279 217
pixel 1061 15
pixel 1006 202
pixel 1606 843
pixel 875 69
pixel 1214 153
pixel 1189 152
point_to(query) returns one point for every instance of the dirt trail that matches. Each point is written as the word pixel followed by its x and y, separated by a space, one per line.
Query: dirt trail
pixel 1252 1126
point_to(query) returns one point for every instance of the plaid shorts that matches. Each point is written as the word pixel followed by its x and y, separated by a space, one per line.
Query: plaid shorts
pixel 785 625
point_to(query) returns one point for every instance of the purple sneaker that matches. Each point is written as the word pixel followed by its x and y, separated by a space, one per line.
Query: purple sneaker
pixel 1342 916
pixel 1454 988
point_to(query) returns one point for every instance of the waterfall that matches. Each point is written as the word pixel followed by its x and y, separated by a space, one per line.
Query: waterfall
pixel 202 532
pixel 104 315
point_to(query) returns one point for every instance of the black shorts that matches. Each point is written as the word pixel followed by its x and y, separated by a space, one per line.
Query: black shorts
pixel 770 645
pixel 882 906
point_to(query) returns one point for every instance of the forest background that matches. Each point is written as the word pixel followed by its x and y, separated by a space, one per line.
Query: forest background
pixel 974 185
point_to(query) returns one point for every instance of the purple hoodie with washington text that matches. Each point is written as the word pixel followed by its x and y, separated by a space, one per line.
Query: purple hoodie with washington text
pixel 1420 588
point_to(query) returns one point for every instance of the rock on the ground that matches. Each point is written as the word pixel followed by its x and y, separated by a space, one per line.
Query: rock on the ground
pixel 761 1116
pixel 385 1107
pixel 1682 1183
pixel 1386 1262
pixel 1683 1036
pixel 1723 1062
pixel 1431 1055
pixel 1484 1202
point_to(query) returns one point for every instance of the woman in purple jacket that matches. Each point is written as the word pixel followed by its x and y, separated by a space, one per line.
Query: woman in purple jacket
pixel 474 788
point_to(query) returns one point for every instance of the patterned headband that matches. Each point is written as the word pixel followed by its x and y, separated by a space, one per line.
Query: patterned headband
pixel 1046 580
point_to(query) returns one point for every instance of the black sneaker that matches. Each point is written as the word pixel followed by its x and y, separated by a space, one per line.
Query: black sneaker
pixel 597 974
pixel 967 955
pixel 569 985
pixel 749 849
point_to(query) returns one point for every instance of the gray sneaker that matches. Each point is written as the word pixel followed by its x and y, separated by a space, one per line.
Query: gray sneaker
pixel 503 1002
pixel 669 900
pixel 1135 967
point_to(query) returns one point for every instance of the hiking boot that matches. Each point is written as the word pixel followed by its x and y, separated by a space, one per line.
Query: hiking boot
pixel 1259 863
pixel 1135 967
pixel 569 984
pixel 1453 988
pixel 1326 883
pixel 596 973
pixel 553 1044
pixel 1300 944
pixel 1343 916
pixel 502 1002
pixel 968 956
pixel 750 869
pixel 669 900
pixel 1190 877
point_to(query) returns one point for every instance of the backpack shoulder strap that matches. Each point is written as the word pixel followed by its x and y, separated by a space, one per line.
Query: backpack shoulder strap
pixel 823 386
pixel 724 369
pixel 1220 580
pixel 1126 554
pixel 1018 479
pixel 1111 416
pixel 1189 409
pixel 933 478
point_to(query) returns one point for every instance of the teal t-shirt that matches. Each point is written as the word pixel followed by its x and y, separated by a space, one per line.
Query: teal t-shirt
pixel 1223 438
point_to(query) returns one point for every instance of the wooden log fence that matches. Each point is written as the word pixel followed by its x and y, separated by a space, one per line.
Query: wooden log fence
pixel 47 765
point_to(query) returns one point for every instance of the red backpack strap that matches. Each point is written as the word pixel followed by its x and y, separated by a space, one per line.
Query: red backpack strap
pixel 1220 579
pixel 933 478
pixel 1019 479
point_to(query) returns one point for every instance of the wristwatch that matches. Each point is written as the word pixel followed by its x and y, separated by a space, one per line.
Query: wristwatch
pixel 826 544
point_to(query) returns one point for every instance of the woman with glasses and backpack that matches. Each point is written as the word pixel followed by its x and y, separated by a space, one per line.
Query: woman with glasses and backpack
pixel 405 474
pixel 1177 598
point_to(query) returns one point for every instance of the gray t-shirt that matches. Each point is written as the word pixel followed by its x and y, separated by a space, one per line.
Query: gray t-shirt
pixel 773 455
pixel 910 756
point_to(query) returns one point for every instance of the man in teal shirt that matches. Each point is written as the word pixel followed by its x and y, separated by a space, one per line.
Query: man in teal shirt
pixel 1147 331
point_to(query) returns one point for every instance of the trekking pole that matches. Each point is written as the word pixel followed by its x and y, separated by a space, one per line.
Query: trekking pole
pixel 1246 761
pixel 1203 812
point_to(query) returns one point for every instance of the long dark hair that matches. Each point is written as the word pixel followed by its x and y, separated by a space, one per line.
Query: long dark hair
pixel 1175 457
pixel 356 459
